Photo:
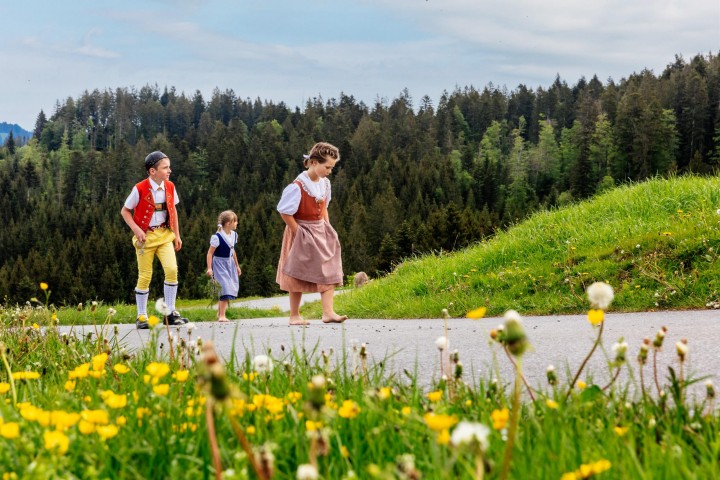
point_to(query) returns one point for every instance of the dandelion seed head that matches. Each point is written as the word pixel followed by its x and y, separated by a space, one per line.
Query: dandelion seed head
pixel 307 471
pixel 600 295
pixel 469 432
pixel 161 307
pixel 441 343
pixel 262 364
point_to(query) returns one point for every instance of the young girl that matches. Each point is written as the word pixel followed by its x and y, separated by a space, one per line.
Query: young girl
pixel 222 262
pixel 310 257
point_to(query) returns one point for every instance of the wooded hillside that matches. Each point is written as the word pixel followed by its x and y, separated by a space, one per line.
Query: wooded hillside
pixel 413 177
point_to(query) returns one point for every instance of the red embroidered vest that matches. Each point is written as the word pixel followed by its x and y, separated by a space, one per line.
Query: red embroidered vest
pixel 309 209
pixel 146 206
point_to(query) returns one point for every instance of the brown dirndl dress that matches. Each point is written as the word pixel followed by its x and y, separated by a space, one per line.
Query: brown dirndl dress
pixel 310 260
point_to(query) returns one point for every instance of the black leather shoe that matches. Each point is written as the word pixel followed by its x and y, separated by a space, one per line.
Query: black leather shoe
pixel 175 319
pixel 141 323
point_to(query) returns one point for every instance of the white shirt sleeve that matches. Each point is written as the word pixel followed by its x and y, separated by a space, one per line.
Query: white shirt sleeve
pixel 177 197
pixel 290 200
pixel 214 241
pixel 329 192
pixel 133 199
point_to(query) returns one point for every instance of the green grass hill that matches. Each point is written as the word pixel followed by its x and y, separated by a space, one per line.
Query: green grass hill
pixel 655 242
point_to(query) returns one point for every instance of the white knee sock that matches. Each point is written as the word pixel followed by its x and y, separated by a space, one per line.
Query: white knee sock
pixel 141 299
pixel 170 295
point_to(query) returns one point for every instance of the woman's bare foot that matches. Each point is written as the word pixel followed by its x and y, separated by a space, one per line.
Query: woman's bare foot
pixel 298 320
pixel 335 318
pixel 223 320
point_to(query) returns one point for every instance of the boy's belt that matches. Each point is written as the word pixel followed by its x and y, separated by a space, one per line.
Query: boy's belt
pixel 161 207
pixel 155 227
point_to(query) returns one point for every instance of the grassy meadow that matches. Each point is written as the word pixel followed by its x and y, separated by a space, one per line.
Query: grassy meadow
pixel 84 407
pixel 656 242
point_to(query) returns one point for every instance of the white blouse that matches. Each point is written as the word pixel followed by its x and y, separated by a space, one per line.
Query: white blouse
pixel 290 200
pixel 231 240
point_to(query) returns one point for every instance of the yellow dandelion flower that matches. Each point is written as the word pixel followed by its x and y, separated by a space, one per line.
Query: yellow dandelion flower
pixel 4 387
pixel 161 389
pixel 312 426
pixel 595 316
pixel 294 396
pixel 43 286
pixel 439 422
pixel 56 440
pixel 250 430
pixel 98 417
pixel 500 418
pixel 249 376
pixel 344 452
pixel 406 411
pixel 477 314
pixel 107 431
pixel 81 371
pixel 153 320
pixel 10 430
pixel 620 431
pixel 99 361
pixel 85 427
pixel 552 404
pixel 25 375
pixel 181 375
pixel 584 471
pixel 435 396
pixel 121 369
pixel 121 420
pixel 581 384
pixel 157 369
pixel 569 476
pixel 443 437
pixel 70 385
pixel 349 409
pixel 35 326
pixel 116 400
pixel 143 412
pixel 600 466
pixel 468 403
pixel 384 393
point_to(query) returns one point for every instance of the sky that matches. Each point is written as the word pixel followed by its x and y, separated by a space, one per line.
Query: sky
pixel 295 50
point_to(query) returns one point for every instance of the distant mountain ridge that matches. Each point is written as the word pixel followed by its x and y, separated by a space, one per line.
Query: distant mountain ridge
pixel 20 135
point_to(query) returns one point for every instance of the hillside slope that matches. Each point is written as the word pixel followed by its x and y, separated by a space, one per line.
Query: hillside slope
pixel 655 242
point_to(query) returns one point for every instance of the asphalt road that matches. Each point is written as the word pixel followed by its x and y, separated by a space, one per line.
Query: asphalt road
pixel 560 340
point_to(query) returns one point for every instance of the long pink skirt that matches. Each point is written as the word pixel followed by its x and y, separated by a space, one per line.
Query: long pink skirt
pixel 310 261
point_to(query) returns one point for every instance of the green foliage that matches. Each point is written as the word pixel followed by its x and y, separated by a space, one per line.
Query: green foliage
pixel 656 243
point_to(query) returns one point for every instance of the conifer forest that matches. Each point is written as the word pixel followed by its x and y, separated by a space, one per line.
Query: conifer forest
pixel 415 175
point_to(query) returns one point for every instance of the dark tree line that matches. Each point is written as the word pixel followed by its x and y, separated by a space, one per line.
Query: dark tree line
pixel 413 178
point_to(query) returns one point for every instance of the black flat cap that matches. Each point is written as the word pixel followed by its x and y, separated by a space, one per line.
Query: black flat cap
pixel 153 158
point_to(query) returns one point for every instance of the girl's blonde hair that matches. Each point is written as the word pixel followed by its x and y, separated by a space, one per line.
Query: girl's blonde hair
pixel 322 152
pixel 225 217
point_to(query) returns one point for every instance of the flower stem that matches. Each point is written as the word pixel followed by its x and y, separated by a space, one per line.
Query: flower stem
pixel 582 365
pixel 514 420
pixel 524 379
pixel 9 372
pixel 212 436
pixel 246 446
